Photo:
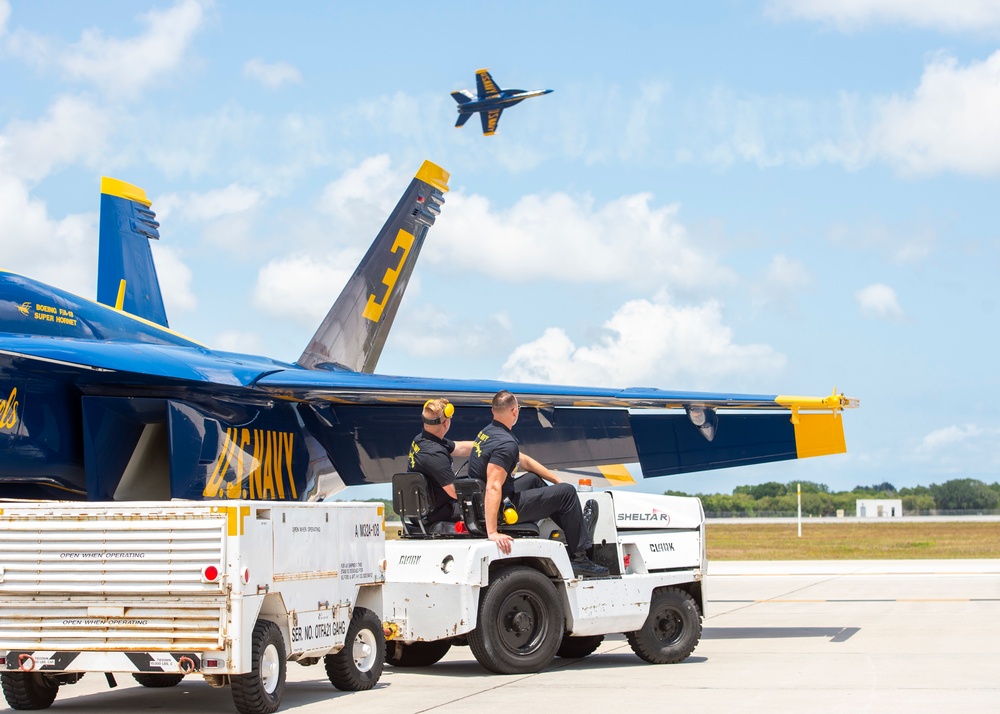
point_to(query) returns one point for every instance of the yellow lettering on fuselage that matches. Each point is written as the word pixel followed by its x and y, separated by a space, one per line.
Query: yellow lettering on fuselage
pixel 255 464
pixel 8 411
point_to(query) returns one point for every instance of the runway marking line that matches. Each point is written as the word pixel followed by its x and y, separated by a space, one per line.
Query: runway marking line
pixel 930 599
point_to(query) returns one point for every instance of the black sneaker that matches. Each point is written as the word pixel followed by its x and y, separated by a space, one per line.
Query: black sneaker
pixel 584 567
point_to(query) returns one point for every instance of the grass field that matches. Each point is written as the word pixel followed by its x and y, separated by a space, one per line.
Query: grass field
pixel 852 541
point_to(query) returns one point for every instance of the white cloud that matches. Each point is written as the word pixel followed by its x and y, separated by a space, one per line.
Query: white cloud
pixel 194 145
pixel 272 75
pixel 949 124
pixel 786 274
pixel 564 239
pixel 952 448
pixel 879 301
pixel 211 205
pixel 60 252
pixel 175 279
pixel 955 15
pixel 123 67
pixel 645 342
pixel 429 332
pixel 239 341
pixel 302 288
pixel 4 16
pixel 73 130
pixel 361 199
pixel 901 243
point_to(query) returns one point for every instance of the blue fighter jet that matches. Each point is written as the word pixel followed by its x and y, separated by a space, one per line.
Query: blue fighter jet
pixel 103 401
pixel 490 102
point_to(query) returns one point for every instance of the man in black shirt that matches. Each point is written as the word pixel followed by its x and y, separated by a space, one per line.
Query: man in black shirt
pixel 495 456
pixel 431 454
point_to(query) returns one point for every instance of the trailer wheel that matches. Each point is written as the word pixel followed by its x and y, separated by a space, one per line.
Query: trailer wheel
pixel 576 647
pixel 671 631
pixel 416 654
pixel 156 681
pixel 259 691
pixel 520 622
pixel 359 663
pixel 28 690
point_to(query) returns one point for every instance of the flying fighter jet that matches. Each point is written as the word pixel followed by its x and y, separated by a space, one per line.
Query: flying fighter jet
pixel 490 102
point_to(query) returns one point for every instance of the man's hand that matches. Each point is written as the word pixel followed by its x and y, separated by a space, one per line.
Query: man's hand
pixel 503 541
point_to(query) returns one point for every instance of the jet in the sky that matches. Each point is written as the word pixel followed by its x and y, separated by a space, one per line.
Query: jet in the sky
pixel 103 401
pixel 490 101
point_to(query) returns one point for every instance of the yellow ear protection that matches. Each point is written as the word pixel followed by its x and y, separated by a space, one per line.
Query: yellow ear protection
pixel 449 412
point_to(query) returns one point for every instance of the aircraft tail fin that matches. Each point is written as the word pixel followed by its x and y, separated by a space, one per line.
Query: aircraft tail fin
pixel 354 331
pixel 462 118
pixel 463 97
pixel 126 275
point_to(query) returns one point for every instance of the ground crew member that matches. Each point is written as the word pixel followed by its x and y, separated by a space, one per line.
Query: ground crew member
pixel 431 455
pixel 495 456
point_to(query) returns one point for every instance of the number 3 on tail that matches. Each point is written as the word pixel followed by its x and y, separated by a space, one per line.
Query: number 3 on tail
pixel 373 310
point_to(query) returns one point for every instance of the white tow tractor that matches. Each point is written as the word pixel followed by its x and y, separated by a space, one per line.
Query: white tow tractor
pixel 231 591
pixel 446 584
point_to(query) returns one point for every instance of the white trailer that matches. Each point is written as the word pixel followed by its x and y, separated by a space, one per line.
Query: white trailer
pixel 227 590
pixel 517 612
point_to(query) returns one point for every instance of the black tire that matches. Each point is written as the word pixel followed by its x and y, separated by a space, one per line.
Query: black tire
pixel 416 654
pixel 576 647
pixel 259 691
pixel 358 665
pixel 28 690
pixel 520 622
pixel 671 631
pixel 155 681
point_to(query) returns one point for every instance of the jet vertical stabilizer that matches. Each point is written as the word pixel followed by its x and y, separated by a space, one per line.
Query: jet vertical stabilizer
pixel 354 331
pixel 126 275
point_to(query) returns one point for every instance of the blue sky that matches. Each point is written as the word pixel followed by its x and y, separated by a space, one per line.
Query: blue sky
pixel 777 197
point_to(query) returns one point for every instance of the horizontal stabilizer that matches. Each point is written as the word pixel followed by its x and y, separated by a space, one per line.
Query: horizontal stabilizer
pixel 354 331
pixel 126 275
pixel 463 96
pixel 462 118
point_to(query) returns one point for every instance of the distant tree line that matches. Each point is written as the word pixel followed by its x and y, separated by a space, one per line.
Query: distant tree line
pixel 967 494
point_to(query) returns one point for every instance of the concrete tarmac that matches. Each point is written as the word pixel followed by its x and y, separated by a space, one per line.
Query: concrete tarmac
pixel 798 636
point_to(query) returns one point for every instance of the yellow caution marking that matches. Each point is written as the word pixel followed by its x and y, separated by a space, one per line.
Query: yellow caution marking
pixel 234 519
pixel 617 474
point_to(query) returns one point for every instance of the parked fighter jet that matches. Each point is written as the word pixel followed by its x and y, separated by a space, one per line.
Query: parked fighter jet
pixel 103 401
pixel 490 102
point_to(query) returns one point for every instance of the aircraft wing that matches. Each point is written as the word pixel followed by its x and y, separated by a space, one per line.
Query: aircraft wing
pixel 665 432
pixel 490 119
pixel 126 275
pixel 485 85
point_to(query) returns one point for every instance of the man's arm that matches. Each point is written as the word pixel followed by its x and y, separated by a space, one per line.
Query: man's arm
pixel 495 476
pixel 529 464
pixel 462 449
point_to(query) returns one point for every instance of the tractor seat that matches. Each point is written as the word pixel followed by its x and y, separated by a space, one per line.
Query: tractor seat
pixel 411 500
pixel 472 499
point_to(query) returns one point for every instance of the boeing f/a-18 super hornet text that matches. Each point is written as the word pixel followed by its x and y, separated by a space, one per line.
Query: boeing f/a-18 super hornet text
pixel 102 401
pixel 490 101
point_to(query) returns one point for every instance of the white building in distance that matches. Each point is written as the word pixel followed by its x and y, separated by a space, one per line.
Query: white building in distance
pixel 879 507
